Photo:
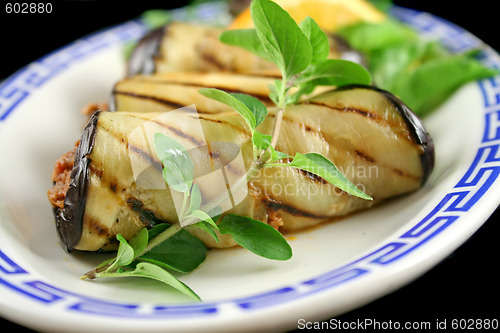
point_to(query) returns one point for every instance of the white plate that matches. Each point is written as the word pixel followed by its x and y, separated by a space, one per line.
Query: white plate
pixel 335 268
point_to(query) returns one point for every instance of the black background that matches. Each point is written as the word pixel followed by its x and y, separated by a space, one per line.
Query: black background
pixel 465 285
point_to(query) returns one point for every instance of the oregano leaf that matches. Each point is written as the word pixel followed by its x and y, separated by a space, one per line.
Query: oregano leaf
pixel 246 39
pixel 124 255
pixel 230 100
pixel 139 242
pixel 321 166
pixel 318 39
pixel 261 141
pixel 335 72
pixel 178 166
pixel 256 236
pixel 181 252
pixel 285 43
pixel 258 108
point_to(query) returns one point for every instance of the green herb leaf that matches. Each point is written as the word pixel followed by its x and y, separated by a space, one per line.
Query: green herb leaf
pixel 421 72
pixel 195 198
pixel 151 271
pixel 321 166
pixel 246 39
pixel 335 72
pixel 318 39
pixel 261 141
pixel 139 242
pixel 155 18
pixel 236 104
pixel 178 166
pixel 382 5
pixel 431 83
pixel 368 37
pixel 256 236
pixel 258 108
pixel 277 155
pixel 181 252
pixel 207 227
pixel 202 216
pixel 124 255
pixel 281 37
pixel 207 222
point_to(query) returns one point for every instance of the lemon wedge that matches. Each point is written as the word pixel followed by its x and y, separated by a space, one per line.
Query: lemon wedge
pixel 329 14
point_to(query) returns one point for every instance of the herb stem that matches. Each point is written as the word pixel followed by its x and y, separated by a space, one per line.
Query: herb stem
pixel 173 229
pixel 277 126
pixel 278 119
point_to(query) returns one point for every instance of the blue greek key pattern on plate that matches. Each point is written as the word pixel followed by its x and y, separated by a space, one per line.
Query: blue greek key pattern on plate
pixel 474 184
pixel 19 86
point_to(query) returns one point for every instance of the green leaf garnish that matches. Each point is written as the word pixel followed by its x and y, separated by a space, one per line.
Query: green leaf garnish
pixel 321 166
pixel 262 141
pixel 203 225
pixel 181 252
pixel 125 254
pixel 246 39
pixel 152 271
pixel 195 198
pixel 258 108
pixel 335 72
pixel 256 236
pixel 155 18
pixel 178 170
pixel 427 86
pixel 421 72
pixel 139 242
pixel 235 103
pixel 317 38
pixel 285 43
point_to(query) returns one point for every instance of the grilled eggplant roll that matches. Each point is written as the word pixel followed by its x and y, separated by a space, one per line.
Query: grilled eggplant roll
pixel 379 144
pixel 168 91
pixel 183 47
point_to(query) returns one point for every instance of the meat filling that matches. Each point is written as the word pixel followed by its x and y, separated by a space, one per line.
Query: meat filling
pixel 61 178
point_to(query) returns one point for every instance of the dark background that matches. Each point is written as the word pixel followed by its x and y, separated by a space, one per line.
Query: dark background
pixel 465 285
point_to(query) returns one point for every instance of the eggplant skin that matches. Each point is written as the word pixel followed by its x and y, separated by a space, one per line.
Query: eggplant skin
pixel 68 219
pixel 420 134
pixel 415 126
pixel 142 59
pixel 360 128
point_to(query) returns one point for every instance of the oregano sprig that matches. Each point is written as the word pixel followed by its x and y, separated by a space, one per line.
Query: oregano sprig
pixel 300 52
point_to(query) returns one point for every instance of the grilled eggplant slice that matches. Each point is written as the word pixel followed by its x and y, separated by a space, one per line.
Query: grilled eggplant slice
pixel 369 134
pixel 182 46
pixel 168 91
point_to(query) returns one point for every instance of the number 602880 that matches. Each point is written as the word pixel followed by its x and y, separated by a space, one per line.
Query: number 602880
pixel 28 8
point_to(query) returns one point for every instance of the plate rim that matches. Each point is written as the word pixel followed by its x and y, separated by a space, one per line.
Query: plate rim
pixel 453 201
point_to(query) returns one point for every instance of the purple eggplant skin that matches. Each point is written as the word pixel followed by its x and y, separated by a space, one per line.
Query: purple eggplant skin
pixel 419 133
pixel 69 220
pixel 142 58
pixel 415 126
